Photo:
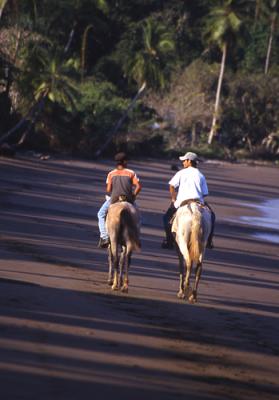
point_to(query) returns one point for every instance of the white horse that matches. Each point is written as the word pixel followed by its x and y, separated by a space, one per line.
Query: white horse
pixel 123 229
pixel 191 228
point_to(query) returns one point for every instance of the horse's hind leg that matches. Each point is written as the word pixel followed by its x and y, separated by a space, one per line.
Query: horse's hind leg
pixel 122 265
pixel 114 251
pixel 125 285
pixel 193 297
pixel 187 287
pixel 110 262
pixel 180 293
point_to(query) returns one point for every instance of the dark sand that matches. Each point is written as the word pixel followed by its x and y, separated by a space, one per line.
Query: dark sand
pixel 65 335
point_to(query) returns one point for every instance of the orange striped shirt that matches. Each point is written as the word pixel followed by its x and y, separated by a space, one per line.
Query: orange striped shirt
pixel 122 181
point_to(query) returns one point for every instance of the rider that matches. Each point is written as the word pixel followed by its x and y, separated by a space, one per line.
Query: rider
pixel 120 182
pixel 187 184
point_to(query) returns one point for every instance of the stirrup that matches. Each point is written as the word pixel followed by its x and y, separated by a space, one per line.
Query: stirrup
pixel 167 245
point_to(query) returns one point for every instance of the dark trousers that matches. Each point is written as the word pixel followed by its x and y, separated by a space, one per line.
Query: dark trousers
pixel 167 224
pixel 213 218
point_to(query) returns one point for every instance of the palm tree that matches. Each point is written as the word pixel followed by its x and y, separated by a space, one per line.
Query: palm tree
pixel 147 63
pixel 223 27
pixel 47 79
pixel 49 76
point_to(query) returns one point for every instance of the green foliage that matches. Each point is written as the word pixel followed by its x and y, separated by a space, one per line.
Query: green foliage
pixel 100 107
pixel 89 57
pixel 250 111
pixel 255 51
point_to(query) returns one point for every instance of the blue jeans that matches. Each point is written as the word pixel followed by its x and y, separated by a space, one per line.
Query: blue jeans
pixel 102 213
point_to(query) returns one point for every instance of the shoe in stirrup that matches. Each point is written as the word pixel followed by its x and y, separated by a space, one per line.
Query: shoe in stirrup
pixel 210 245
pixel 103 243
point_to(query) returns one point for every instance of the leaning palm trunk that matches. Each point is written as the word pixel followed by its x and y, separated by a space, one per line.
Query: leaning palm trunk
pixel 120 121
pixel 35 117
pixel 218 93
pixel 32 115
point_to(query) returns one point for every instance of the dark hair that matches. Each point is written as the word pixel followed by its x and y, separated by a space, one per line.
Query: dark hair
pixel 120 158
pixel 193 163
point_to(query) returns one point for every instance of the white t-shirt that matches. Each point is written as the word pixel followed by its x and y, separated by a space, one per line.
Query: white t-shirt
pixel 191 184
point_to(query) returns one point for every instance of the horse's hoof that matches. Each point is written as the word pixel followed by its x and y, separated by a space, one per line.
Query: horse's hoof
pixel 110 282
pixel 188 292
pixel 192 299
pixel 124 289
pixel 181 295
pixel 114 287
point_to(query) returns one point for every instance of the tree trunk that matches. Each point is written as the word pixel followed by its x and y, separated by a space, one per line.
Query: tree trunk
pixel 2 6
pixel 83 50
pixel 70 38
pixel 257 10
pixel 193 134
pixel 120 122
pixel 217 100
pixel 272 30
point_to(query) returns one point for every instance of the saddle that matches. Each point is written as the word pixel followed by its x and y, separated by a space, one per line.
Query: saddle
pixel 124 197
pixel 187 203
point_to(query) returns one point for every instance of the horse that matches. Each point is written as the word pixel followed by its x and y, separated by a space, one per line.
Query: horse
pixel 123 229
pixel 191 228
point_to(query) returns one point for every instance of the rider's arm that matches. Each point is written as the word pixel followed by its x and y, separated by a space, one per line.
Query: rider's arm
pixel 109 187
pixel 173 193
pixel 137 185
pixel 109 184
pixel 137 188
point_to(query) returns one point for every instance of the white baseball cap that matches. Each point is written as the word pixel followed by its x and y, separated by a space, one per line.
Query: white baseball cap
pixel 189 156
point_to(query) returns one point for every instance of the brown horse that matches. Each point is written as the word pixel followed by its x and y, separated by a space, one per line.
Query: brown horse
pixel 123 229
pixel 191 227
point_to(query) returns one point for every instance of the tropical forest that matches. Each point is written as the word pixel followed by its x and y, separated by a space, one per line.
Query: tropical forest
pixel 154 78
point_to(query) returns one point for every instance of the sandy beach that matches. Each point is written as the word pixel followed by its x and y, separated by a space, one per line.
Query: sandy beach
pixel 66 335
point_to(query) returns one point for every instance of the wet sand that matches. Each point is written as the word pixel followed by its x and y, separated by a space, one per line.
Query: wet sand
pixel 65 335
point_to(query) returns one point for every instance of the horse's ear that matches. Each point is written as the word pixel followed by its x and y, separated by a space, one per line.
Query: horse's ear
pixel 122 197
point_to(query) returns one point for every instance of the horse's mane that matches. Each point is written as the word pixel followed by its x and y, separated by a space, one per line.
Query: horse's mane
pixel 196 234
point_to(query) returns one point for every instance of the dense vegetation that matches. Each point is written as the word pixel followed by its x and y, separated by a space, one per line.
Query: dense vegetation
pixel 152 77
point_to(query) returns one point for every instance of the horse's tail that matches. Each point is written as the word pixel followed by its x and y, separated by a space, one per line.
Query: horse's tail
pixel 130 229
pixel 196 235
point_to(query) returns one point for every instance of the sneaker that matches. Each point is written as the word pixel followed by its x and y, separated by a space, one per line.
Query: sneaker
pixel 167 245
pixel 103 243
pixel 210 245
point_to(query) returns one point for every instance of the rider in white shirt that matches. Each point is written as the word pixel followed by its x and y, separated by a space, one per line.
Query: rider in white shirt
pixel 187 184
pixel 191 184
